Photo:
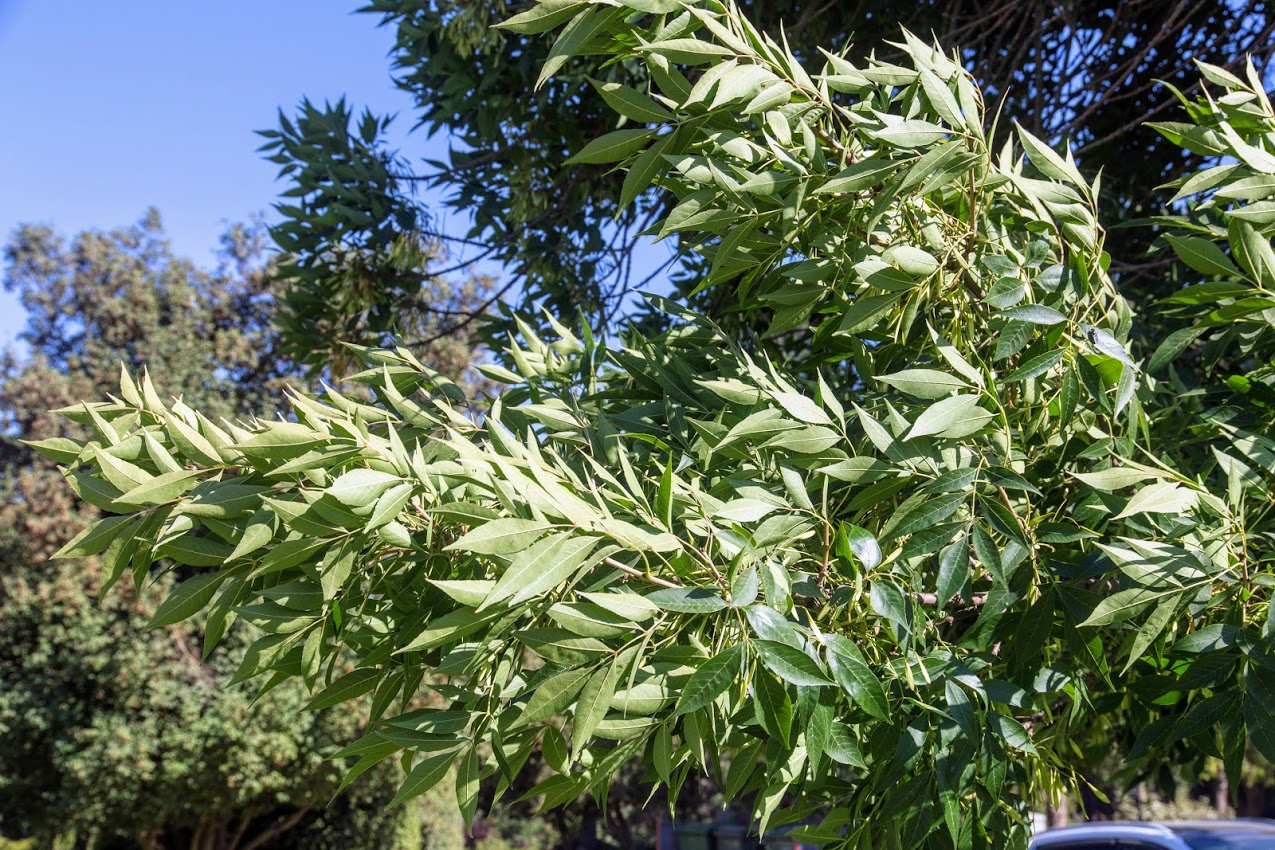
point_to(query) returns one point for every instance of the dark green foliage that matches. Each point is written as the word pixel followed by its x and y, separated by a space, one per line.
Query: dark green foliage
pixel 115 735
pixel 566 233
pixel 357 251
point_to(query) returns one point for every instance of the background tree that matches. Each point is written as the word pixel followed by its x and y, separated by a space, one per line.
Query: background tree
pixel 361 264
pixel 115 735
pixel 568 234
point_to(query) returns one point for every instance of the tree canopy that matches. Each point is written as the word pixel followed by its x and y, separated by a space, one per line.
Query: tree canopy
pixel 888 556
pixel 568 234
pixel 112 732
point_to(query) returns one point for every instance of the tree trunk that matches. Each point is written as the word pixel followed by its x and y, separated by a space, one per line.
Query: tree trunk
pixel 1252 802
pixel 588 837
pixel 1057 816
pixel 1222 795
pixel 264 838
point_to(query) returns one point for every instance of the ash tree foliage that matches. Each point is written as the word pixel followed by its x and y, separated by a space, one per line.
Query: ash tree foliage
pixel 1089 71
pixel 883 567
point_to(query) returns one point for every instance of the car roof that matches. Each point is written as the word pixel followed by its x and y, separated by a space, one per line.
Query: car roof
pixel 1165 834
pixel 1107 830
pixel 1260 826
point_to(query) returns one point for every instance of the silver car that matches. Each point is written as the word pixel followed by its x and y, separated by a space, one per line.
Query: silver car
pixel 1244 834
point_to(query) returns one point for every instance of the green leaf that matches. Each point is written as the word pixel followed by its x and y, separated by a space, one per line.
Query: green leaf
pixel 942 99
pixel 914 261
pixel 390 505
pixel 1011 732
pixel 1253 251
pixel 224 499
pixel 425 775
pixel 774 708
pixel 186 599
pixel 1046 160
pixel 589 621
pixel 927 513
pixel 351 686
pixel 645 169
pixel 468 592
pixel 745 510
pixel 467 776
pixel 1014 337
pixel 802 408
pixel 124 476
pixel 1208 639
pixel 540 567
pixel 888 601
pixel 259 531
pixel 686 51
pixel 263 654
pixel 856 470
pixel 769 624
pixel 613 147
pixel 631 103
pixel 954 417
pixel 276 441
pixel 1122 605
pixel 95 538
pixel 1260 724
pixel 813 439
pixel 624 604
pixel 1038 365
pixel 544 16
pixel 1114 478
pixel 910 134
pixel 552 696
pixel 337 565
pixel 1160 618
pixel 196 551
pixel 710 680
pixel 865 313
pixel 843 748
pixel 1034 314
pixel 448 628
pixel 371 749
pixel 593 22
pixel 501 537
pixel 361 487
pixel 856 678
pixel 1005 292
pixel 687 600
pixel 862 175
pixel 1106 344
pixel 593 704
pixel 164 488
pixel 56 449
pixel 861 544
pixel 1173 345
pixel 924 383
pixel 791 664
pixel 954 571
pixel 1202 255
pixel 1163 497
pixel 744 587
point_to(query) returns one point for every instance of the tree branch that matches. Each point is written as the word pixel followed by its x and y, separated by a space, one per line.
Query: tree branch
pixel 278 829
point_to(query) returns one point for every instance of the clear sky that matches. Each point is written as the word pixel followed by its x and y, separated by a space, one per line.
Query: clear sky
pixel 112 106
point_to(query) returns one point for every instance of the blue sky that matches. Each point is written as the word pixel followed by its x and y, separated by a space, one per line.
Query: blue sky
pixel 112 107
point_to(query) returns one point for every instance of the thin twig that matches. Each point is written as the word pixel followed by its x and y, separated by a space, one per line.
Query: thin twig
pixel 636 573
